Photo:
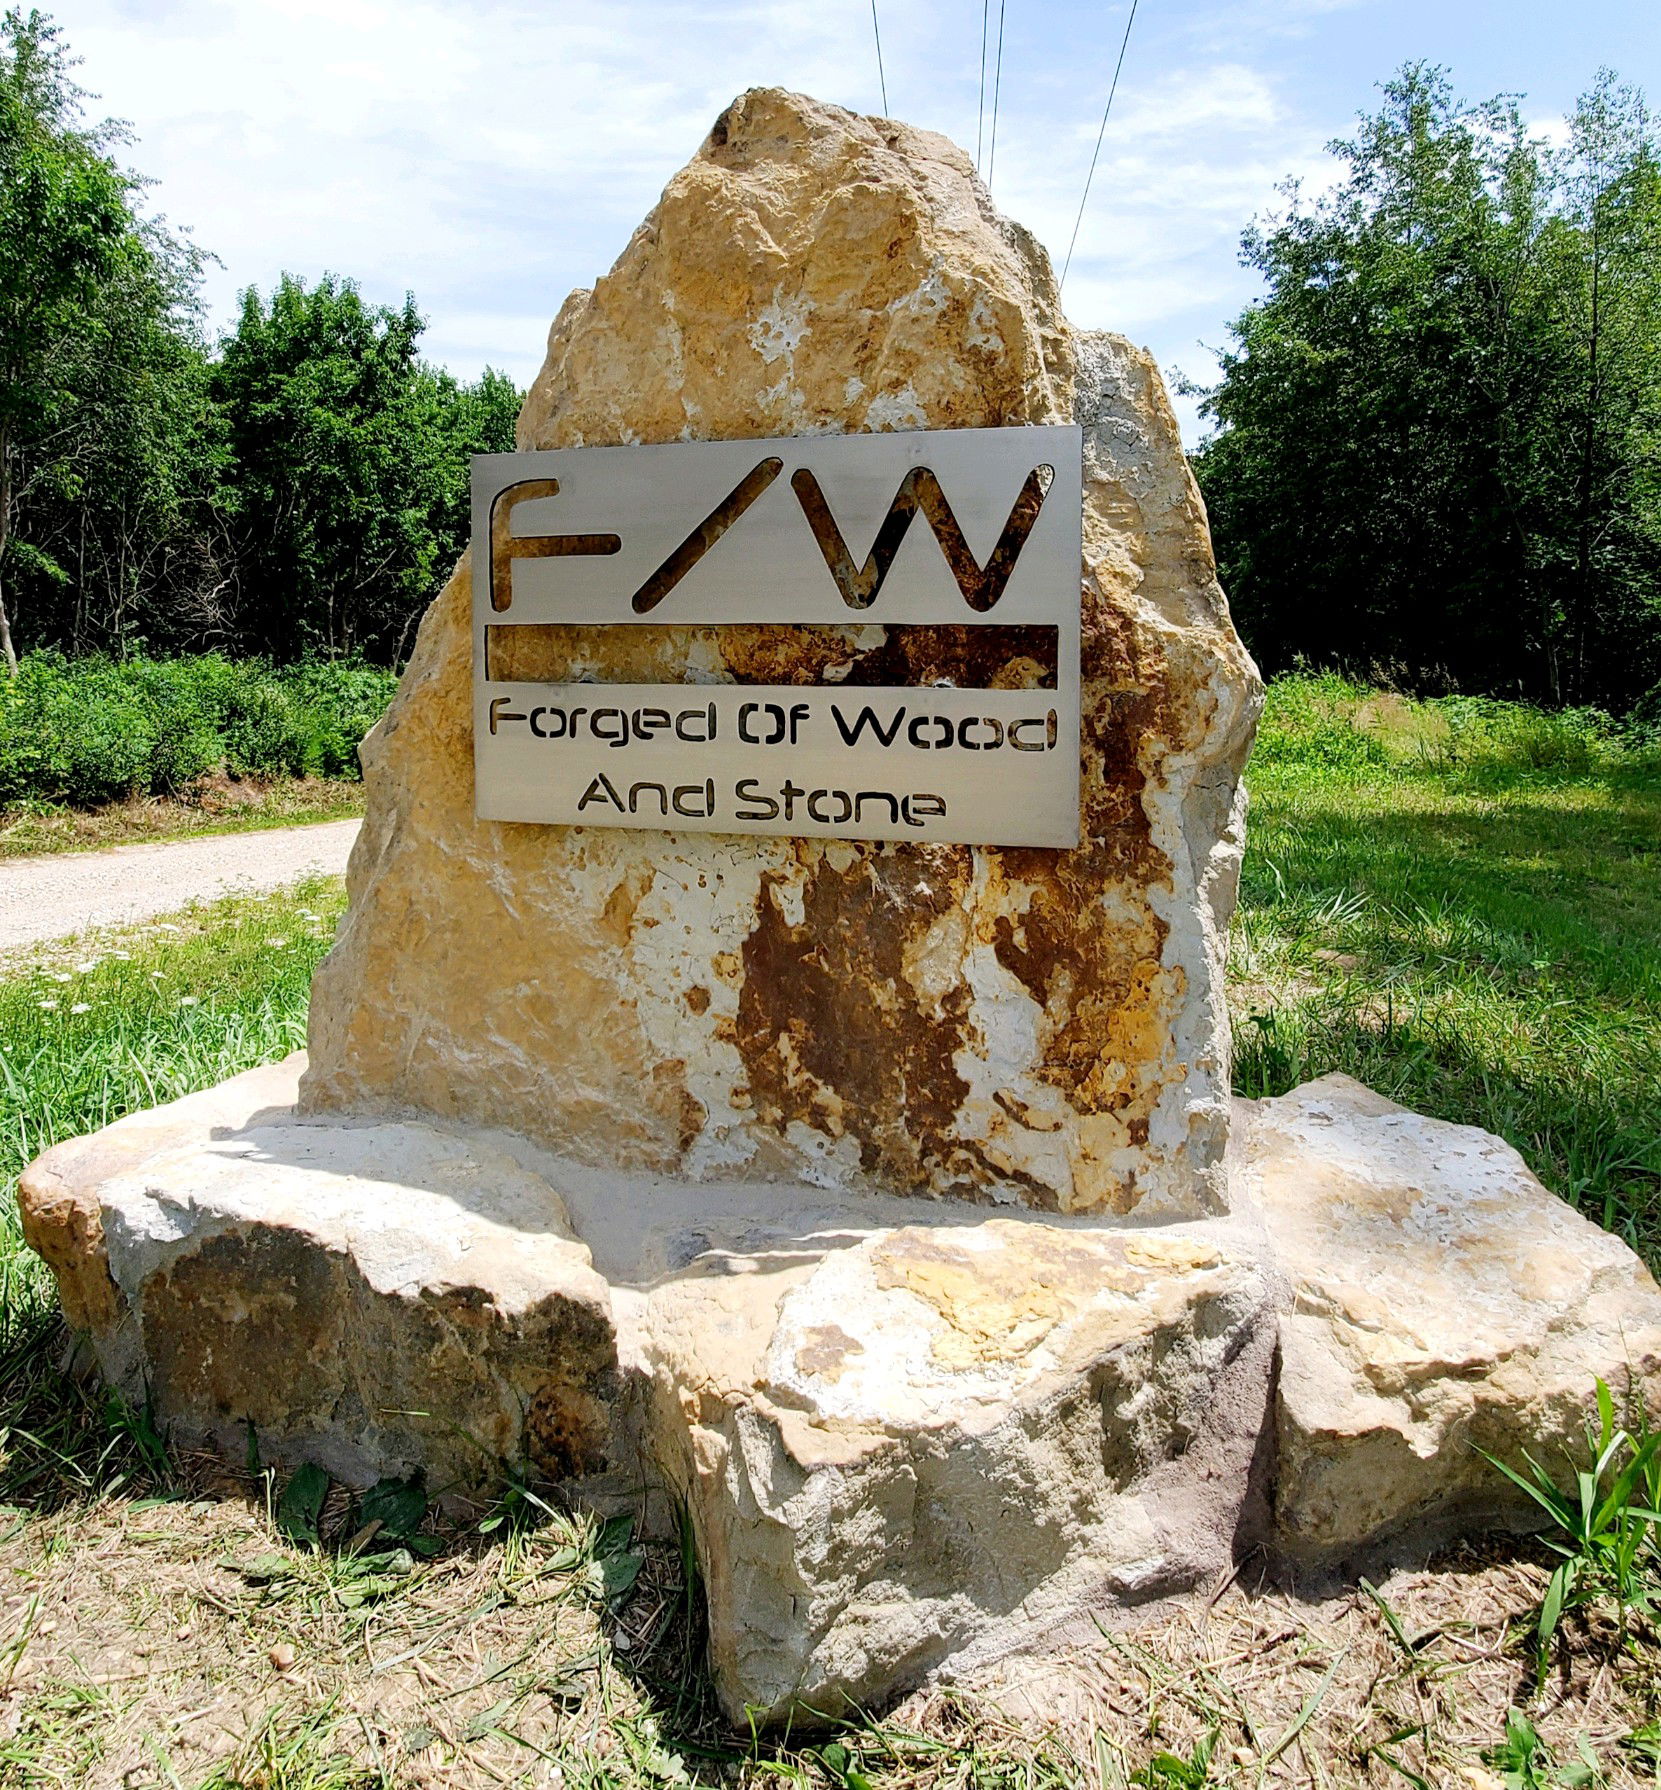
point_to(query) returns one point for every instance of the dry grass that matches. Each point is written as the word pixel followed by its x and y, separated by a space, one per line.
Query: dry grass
pixel 216 804
pixel 144 1647
pixel 154 1654
pixel 1409 1681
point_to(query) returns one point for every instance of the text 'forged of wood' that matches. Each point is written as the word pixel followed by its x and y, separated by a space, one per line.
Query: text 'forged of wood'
pixel 934 534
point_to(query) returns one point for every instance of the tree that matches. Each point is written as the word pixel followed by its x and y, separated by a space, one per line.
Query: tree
pixel 346 476
pixel 65 221
pixel 1423 457
pixel 1608 415
pixel 118 501
pixel 300 488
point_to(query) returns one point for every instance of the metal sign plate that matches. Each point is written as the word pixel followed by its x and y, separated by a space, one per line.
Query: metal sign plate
pixel 944 529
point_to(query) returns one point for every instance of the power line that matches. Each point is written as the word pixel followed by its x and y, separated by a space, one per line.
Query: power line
pixel 1123 43
pixel 876 30
pixel 997 85
pixel 980 115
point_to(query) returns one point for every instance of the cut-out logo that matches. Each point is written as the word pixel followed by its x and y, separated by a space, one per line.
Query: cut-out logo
pixel 506 546
pixel 860 585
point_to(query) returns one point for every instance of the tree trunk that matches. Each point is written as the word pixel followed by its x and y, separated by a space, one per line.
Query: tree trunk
pixel 6 646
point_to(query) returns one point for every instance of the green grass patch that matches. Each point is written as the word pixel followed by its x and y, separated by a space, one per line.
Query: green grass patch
pixel 89 1034
pixel 1460 905
pixel 219 805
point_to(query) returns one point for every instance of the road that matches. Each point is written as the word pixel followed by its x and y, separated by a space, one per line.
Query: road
pixel 63 893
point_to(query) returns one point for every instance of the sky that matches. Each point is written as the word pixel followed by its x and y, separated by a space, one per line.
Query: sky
pixel 489 156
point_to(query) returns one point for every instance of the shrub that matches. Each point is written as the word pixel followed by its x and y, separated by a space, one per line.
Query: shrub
pixel 1322 722
pixel 1309 718
pixel 89 731
pixel 348 698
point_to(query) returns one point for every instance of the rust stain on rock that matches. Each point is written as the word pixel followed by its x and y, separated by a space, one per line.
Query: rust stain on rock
pixel 825 1350
pixel 832 1035
pixel 851 655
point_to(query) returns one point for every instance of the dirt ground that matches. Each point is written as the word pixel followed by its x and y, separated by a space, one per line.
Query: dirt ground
pixel 178 1640
pixel 64 893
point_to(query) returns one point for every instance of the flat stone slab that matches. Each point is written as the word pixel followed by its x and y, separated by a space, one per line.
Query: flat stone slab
pixel 910 1444
pixel 1444 1302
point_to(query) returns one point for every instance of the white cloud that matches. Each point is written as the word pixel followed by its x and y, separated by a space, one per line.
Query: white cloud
pixel 489 155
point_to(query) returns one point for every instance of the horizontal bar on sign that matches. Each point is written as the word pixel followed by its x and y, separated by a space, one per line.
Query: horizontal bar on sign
pixel 854 655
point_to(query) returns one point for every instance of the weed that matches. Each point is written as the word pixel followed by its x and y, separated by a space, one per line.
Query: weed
pixel 290 1753
pixel 1525 1762
pixel 518 1508
pixel 1604 1529
pixel 1166 1771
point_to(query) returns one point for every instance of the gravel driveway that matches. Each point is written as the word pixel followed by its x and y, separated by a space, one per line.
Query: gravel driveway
pixel 63 893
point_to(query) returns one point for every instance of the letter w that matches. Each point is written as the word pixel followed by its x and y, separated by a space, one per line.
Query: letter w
pixel 865 718
pixel 981 586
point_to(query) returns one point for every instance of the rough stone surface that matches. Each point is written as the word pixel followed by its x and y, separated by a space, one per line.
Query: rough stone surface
pixel 1444 1302
pixel 945 1443
pixel 1027 1027
pixel 909 1444
pixel 372 1296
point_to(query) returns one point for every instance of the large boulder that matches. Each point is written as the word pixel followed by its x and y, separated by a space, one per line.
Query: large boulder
pixel 1036 1027
pixel 395 1296
pixel 606 1166
pixel 908 1444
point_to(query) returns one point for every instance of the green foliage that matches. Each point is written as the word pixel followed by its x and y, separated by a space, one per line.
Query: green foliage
pixel 100 376
pixel 1309 720
pixel 1439 433
pixel 1321 722
pixel 301 488
pixel 94 730
pixel 345 486
pixel 1603 1527
pixel 518 1508
pixel 1166 1771
pixel 301 1505
pixel 1524 1762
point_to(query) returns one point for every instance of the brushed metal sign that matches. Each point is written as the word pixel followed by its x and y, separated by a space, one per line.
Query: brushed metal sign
pixel 943 529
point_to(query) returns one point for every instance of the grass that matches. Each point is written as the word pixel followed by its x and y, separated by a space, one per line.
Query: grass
pixel 93 1030
pixel 1458 904
pixel 1428 907
pixel 214 805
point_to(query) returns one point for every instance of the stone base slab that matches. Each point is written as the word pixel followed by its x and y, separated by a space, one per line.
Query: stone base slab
pixel 909 1444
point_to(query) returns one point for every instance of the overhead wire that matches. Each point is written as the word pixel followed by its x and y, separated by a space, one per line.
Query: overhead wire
pixel 997 85
pixel 1113 89
pixel 882 79
pixel 980 114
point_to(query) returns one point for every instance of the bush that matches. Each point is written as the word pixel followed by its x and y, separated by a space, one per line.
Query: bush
pixel 90 731
pixel 1310 719
pixel 351 696
pixel 1321 722
pixel 1505 741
